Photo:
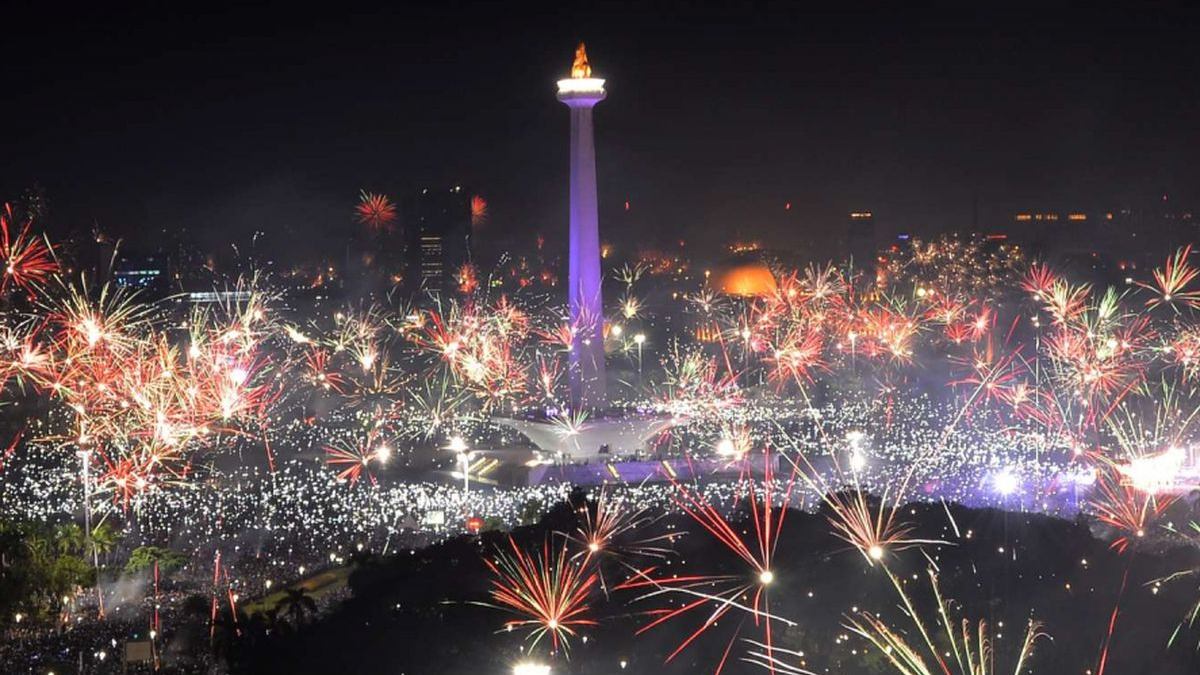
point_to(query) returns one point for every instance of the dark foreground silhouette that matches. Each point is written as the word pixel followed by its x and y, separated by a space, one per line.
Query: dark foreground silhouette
pixel 417 613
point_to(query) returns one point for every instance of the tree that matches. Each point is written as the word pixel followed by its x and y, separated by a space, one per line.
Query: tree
pixel 297 605
pixel 69 539
pixel 39 567
pixel 70 573
pixel 144 557
pixel 104 539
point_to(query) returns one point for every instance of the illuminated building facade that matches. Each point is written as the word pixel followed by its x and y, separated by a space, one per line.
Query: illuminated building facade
pixel 581 92
pixel 437 237
pixel 1125 234
pixel 147 273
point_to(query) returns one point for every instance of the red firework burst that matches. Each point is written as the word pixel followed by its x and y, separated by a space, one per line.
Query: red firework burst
pixel 993 376
pixel 1039 280
pixel 319 372
pixel 28 260
pixel 1124 507
pixel 468 279
pixel 796 354
pixel 128 475
pixel 356 457
pixel 610 531
pixel 547 590
pixel 1171 281
pixel 479 211
pixel 375 211
pixel 768 507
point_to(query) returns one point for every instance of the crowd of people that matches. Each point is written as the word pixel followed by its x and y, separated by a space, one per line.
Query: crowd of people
pixel 250 529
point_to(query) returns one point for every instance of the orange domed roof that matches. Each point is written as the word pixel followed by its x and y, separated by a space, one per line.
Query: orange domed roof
pixel 747 279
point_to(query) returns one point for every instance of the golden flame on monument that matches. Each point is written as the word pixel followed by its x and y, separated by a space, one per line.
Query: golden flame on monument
pixel 581 69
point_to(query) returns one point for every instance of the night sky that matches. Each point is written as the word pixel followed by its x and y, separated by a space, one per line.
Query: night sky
pixel 226 121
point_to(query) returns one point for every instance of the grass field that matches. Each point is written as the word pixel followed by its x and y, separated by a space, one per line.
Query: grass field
pixel 316 586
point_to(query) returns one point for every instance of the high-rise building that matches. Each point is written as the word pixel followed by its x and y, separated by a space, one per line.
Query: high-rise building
pixel 1127 234
pixel 147 273
pixel 581 92
pixel 862 244
pixel 437 237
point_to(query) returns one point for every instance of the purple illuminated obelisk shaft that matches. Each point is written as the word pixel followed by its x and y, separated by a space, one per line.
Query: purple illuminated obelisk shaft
pixel 583 279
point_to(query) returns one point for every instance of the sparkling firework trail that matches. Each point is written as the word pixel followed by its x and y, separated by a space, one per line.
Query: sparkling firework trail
pixel 546 589
pixel 767 514
pixel 610 532
pixel 971 647
pixel 1171 281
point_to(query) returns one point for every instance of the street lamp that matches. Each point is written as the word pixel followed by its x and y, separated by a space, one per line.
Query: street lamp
pixel 746 345
pixel 464 460
pixel 459 446
pixel 726 447
pixel 1006 482
pixel 858 460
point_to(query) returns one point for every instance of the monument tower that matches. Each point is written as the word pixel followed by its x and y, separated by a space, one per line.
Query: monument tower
pixel 581 92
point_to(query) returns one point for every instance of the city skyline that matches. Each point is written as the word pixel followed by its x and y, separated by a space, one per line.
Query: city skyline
pixel 842 338
pixel 918 116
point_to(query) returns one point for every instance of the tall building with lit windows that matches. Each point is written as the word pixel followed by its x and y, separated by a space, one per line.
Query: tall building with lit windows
pixel 1112 241
pixel 1122 233
pixel 437 237
pixel 145 273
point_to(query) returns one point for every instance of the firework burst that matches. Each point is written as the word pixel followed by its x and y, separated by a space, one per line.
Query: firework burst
pixel 549 593
pixel 970 646
pixel 479 211
pixel 28 260
pixel 1171 282
pixel 767 506
pixel 610 531
pixel 375 211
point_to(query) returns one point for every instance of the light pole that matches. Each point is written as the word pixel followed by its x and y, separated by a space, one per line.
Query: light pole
pixel 85 464
pixel 639 340
pixel 746 335
pixel 85 461
pixel 459 446
pixel 464 459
